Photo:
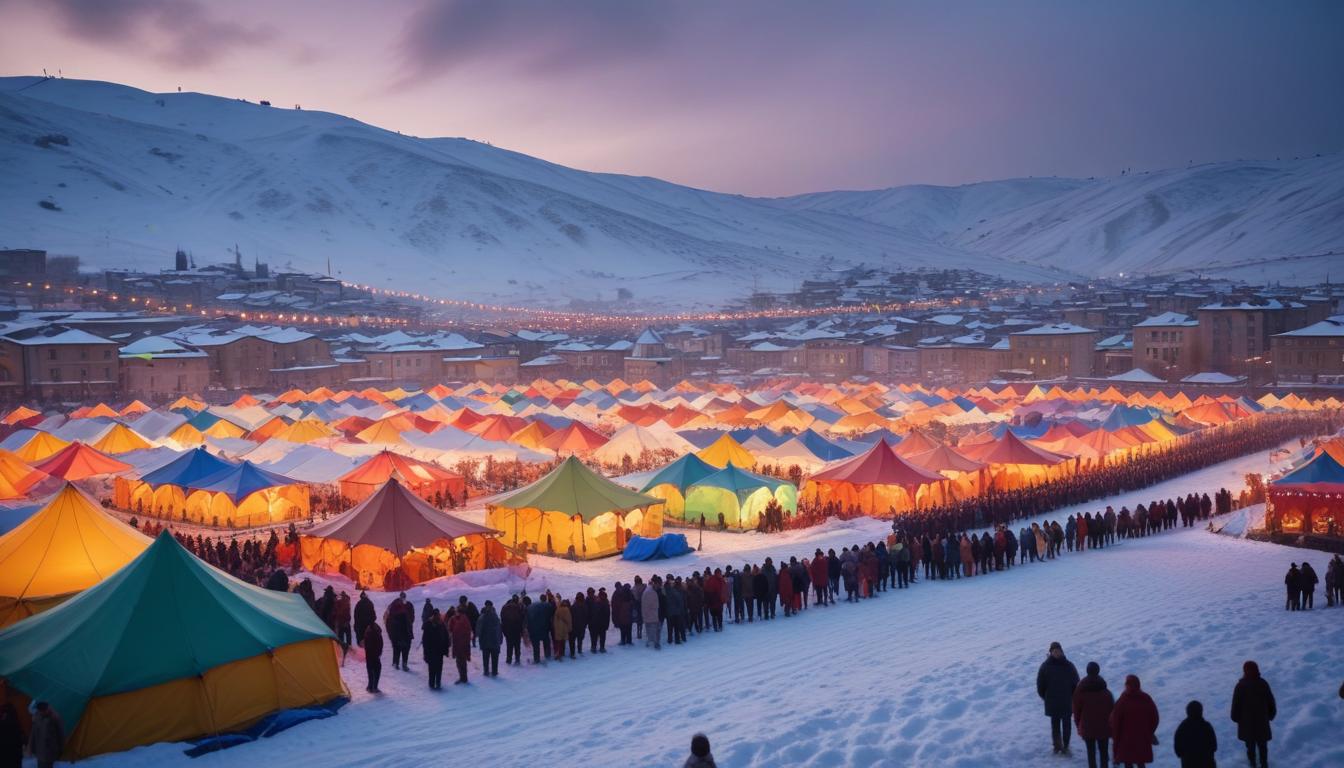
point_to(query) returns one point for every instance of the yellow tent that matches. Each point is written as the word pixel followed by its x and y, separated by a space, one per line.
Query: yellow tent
pixel 725 451
pixel 305 431
pixel 67 546
pixel 187 435
pixel 121 439
pixel 41 447
pixel 224 428
pixel 382 431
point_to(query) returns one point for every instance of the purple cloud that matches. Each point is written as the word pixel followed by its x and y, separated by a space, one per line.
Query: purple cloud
pixel 180 32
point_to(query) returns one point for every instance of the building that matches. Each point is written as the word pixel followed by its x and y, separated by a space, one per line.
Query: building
pixel 1167 346
pixel 25 263
pixel 156 368
pixel 839 358
pixel 1312 354
pixel 594 361
pixel 59 363
pixel 1234 336
pixel 962 360
pixel 759 356
pixel 652 360
pixel 1054 351
pixel 252 357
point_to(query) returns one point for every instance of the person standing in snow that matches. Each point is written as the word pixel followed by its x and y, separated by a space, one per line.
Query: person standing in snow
pixel 1253 708
pixel 373 655
pixel 1195 742
pixel 459 634
pixel 1309 580
pixel 512 619
pixel 623 612
pixel 398 618
pixel 700 754
pixel 650 605
pixel 562 622
pixel 489 636
pixel 1293 582
pixel 1055 681
pixel 46 740
pixel 1092 705
pixel 539 629
pixel 434 642
pixel 364 615
pixel 1134 724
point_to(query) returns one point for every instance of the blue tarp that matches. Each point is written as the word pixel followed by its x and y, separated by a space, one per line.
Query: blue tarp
pixel 270 725
pixel 665 546
pixel 190 467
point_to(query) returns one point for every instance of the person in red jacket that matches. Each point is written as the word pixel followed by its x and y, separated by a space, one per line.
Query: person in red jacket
pixel 715 588
pixel 1134 725
pixel 459 631
pixel 821 578
pixel 786 592
pixel 373 655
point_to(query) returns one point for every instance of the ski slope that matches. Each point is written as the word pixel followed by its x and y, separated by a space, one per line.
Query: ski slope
pixel 939 675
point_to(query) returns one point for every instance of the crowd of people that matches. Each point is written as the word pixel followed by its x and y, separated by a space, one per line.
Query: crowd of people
pixel 1301 581
pixel 1124 729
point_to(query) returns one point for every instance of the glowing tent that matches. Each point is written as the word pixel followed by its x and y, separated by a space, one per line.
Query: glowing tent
pixel 738 497
pixel 382 432
pixel 67 546
pixel 421 478
pixel 725 451
pixel 1016 463
pixel 163 492
pixel 121 439
pixel 673 481
pixel 393 540
pixel 40 447
pixel 878 482
pixel 1309 499
pixel 573 509
pixel 16 476
pixel 245 495
pixel 166 649
pixel 78 461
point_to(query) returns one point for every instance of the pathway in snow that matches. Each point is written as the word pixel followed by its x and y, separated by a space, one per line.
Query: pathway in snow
pixel 942 674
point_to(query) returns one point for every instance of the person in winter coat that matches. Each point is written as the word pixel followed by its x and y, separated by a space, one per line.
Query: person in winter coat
pixel 434 642
pixel 623 612
pixel 771 589
pixel 512 619
pixel 1092 705
pixel 1293 582
pixel 700 754
pixel 373 655
pixel 967 554
pixel 599 620
pixel 786 592
pixel 539 628
pixel 1195 742
pixel 12 739
pixel 1055 681
pixel 47 737
pixel 562 623
pixel 489 635
pixel 342 619
pixel 399 617
pixel 459 633
pixel 364 615
pixel 649 606
pixel 1253 708
pixel 1308 581
pixel 820 576
pixel 1134 725
pixel 716 588
pixel 578 616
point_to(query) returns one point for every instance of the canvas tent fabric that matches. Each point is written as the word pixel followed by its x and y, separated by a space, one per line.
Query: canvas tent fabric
pixel 246 495
pixel 78 461
pixel 574 509
pixel 879 482
pixel 672 482
pixel 394 539
pixel 724 451
pixel 423 478
pixel 737 497
pixel 169 648
pixel 68 545
pixel 1309 498
pixel 163 491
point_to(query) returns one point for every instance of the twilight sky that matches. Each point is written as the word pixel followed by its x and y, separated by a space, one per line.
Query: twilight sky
pixel 762 97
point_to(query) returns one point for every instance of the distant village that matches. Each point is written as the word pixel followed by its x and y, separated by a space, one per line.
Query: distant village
pixel 68 335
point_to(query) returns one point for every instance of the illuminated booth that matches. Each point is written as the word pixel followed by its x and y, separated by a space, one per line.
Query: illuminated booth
pixel 1309 499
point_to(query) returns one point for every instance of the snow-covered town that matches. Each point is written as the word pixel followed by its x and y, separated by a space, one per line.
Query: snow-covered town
pixel 671 385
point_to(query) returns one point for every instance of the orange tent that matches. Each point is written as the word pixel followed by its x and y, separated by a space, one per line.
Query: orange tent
pixel 22 413
pixel 135 408
pixel 878 482
pixel 77 461
pixel 16 476
pixel 40 447
pixel 121 439
pixel 575 438
pixel 422 478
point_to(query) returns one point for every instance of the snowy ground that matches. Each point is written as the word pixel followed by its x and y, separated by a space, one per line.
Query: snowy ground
pixel 942 674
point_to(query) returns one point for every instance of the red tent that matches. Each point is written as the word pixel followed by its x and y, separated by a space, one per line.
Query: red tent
pixel 422 478
pixel 77 461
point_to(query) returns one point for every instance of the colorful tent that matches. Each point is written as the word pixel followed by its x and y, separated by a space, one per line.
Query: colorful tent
pixel 393 540
pixel 725 451
pixel 78 461
pixel 1309 499
pixel 246 495
pixel 166 649
pixel 121 439
pixel 737 498
pixel 574 438
pixel 17 477
pixel 40 446
pixel 673 481
pixel 422 478
pixel 574 510
pixel 67 546
pixel 878 482
pixel 163 492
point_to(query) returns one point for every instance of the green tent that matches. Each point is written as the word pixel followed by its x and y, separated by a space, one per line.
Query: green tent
pixel 739 496
pixel 574 489
pixel 169 648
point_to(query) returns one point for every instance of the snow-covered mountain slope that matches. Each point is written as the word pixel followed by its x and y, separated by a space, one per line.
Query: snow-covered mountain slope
pixel 1277 220
pixel 142 174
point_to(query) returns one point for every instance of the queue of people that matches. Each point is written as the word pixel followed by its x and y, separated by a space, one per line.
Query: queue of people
pixel 1124 729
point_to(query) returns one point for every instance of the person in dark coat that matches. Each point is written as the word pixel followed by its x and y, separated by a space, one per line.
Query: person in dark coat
pixel 1308 581
pixel 1055 681
pixel 489 635
pixel 578 614
pixel 399 617
pixel 11 737
pixel 1092 705
pixel 1293 582
pixel 1134 724
pixel 1195 742
pixel 700 757
pixel 305 590
pixel 278 581
pixel 539 628
pixel 365 614
pixel 46 739
pixel 599 620
pixel 434 642
pixel 1253 708
pixel 373 654
pixel 512 619
pixel 623 612
pixel 459 634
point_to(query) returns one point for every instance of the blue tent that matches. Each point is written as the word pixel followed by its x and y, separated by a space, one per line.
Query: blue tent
pixel 739 481
pixel 203 420
pixel 190 467
pixel 1127 416
pixel 12 517
pixel 684 472
pixel 701 438
pixel 240 481
pixel 661 548
pixel 1320 471
pixel 823 449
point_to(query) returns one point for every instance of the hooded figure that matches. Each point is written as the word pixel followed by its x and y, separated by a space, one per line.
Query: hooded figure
pixel 1195 742
pixel 1092 705
pixel 1253 708
pixel 1134 724
pixel 1055 682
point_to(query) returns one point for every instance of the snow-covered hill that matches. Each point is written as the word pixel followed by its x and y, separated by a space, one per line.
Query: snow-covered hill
pixel 140 174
